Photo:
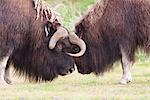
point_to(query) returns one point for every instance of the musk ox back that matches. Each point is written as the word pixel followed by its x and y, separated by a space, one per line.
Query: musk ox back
pixel 113 30
pixel 23 43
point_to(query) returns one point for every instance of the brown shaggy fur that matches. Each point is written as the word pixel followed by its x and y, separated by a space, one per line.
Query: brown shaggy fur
pixel 23 39
pixel 109 25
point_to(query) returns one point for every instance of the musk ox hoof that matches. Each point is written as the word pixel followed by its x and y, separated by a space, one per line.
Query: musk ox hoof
pixel 125 81
pixel 8 81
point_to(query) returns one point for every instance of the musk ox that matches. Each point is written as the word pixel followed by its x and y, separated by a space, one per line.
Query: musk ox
pixel 113 30
pixel 24 44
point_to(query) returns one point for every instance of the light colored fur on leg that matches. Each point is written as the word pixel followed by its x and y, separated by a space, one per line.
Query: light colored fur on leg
pixel 3 63
pixel 126 67
pixel 7 76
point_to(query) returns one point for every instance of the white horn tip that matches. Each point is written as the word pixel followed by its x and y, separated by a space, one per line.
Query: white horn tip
pixel 76 55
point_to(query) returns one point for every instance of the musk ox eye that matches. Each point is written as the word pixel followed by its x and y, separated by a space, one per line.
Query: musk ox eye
pixel 50 28
pixel 79 30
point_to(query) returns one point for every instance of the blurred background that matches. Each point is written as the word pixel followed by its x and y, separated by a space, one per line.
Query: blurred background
pixel 70 10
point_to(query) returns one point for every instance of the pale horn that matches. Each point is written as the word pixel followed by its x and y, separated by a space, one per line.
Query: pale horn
pixel 74 39
pixel 61 33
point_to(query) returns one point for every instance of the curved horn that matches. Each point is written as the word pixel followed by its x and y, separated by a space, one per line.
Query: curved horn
pixel 74 39
pixel 59 34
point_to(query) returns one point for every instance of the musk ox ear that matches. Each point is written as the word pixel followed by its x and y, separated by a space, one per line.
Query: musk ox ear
pixel 50 29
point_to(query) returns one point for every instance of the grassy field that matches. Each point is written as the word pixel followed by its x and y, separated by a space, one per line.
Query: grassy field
pixel 83 87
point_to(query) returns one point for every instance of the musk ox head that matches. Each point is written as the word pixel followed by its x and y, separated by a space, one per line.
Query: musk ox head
pixel 84 64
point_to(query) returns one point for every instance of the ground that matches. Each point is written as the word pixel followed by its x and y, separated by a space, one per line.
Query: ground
pixel 83 87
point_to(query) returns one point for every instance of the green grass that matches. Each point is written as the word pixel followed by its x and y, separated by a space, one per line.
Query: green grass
pixel 83 87
pixel 70 10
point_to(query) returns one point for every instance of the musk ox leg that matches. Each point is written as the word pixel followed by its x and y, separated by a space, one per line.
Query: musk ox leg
pixel 7 74
pixel 3 63
pixel 126 67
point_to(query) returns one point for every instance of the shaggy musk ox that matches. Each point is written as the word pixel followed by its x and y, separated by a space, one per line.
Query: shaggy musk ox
pixel 113 30
pixel 24 44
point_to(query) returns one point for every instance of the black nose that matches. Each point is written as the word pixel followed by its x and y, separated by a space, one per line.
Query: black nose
pixel 71 69
pixel 84 71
